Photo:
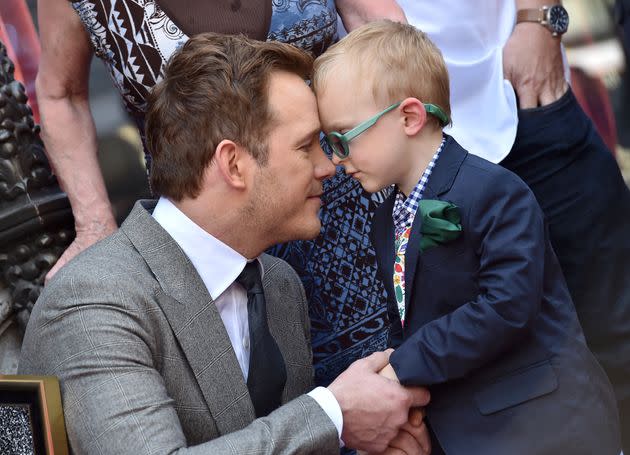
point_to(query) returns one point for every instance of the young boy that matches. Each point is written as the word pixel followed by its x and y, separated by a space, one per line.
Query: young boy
pixel 478 305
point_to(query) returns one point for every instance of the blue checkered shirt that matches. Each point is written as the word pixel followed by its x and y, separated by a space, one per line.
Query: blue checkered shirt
pixel 405 208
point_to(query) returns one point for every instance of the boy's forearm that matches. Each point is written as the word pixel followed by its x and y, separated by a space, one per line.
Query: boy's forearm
pixel 459 343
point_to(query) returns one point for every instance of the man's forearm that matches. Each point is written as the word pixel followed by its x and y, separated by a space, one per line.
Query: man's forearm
pixel 355 13
pixel 532 60
pixel 70 138
pixel 521 4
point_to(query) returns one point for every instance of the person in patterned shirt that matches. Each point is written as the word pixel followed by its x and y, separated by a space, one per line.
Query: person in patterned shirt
pixel 479 309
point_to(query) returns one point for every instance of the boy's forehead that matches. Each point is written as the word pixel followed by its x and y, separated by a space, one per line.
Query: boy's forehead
pixel 346 81
pixel 339 78
pixel 341 100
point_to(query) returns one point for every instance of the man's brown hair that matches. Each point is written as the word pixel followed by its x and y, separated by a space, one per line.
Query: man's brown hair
pixel 214 88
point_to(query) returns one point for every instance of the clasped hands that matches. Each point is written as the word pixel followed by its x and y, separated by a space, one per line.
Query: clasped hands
pixel 379 415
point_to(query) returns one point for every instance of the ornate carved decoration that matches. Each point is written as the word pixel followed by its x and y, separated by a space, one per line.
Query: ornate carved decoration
pixel 35 218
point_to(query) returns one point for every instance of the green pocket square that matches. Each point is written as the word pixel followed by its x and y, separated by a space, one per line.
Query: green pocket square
pixel 440 223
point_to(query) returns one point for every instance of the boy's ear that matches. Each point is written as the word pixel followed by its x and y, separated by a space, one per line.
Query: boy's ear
pixel 413 114
pixel 233 163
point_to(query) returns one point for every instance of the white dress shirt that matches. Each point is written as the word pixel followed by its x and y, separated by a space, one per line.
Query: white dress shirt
pixel 471 36
pixel 218 265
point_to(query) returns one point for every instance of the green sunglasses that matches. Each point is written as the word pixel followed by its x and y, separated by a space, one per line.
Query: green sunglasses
pixel 339 142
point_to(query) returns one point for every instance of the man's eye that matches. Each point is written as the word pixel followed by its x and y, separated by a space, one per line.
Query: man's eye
pixel 307 146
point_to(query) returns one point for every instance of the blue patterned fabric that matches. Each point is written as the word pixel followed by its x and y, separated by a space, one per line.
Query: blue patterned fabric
pixel 310 25
pixel 338 269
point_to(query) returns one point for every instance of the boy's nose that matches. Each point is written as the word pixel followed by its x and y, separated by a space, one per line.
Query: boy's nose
pixel 336 160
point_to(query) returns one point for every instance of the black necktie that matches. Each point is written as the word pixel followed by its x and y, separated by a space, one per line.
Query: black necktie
pixel 267 372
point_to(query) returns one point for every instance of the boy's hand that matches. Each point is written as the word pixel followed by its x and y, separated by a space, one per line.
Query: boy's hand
pixel 412 439
pixel 374 408
pixel 389 373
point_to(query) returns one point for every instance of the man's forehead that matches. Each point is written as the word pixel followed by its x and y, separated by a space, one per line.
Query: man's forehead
pixel 288 88
pixel 292 101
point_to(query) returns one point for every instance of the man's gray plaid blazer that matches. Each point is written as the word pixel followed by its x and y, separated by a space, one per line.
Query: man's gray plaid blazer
pixel 145 362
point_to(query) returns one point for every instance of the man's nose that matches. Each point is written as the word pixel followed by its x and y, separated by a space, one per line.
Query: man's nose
pixel 336 160
pixel 324 168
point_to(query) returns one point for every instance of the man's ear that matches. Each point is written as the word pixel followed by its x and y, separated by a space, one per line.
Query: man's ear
pixel 232 163
pixel 413 114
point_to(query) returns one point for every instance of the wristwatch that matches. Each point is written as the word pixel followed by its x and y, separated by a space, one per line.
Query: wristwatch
pixel 554 17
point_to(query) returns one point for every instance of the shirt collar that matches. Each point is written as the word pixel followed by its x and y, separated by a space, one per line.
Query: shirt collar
pixel 405 208
pixel 218 264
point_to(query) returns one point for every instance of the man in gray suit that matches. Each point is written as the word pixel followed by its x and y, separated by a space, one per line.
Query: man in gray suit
pixel 161 335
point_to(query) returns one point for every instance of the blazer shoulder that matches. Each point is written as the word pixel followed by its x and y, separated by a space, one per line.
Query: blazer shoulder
pixel 479 179
pixel 277 269
pixel 114 254
pixel 477 167
pixel 105 271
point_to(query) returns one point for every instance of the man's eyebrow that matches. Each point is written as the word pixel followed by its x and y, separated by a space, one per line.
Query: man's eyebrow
pixel 312 133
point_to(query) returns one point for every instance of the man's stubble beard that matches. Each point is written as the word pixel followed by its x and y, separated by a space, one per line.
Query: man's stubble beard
pixel 257 215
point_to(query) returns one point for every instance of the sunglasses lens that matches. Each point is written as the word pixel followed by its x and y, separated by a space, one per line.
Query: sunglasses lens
pixel 337 146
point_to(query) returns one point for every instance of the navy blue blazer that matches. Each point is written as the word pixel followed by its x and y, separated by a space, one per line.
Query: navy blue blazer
pixel 490 326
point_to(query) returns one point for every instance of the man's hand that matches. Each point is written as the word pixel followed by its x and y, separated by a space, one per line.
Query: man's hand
pixel 84 239
pixel 532 62
pixel 412 439
pixel 374 408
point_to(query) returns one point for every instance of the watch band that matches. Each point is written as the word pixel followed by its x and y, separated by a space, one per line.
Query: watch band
pixel 530 15
pixel 553 17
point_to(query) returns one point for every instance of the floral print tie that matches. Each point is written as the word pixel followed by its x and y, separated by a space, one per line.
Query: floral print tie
pixel 402 239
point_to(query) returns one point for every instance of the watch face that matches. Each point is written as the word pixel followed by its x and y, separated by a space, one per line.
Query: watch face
pixel 558 19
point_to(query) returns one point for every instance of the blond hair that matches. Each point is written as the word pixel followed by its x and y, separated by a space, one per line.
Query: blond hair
pixel 395 60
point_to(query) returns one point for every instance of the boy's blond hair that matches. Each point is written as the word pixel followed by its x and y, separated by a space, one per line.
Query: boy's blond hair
pixel 395 60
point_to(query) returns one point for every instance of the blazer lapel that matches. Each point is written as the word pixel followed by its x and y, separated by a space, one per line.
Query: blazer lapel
pixel 440 182
pixel 194 319
pixel 411 260
pixel 383 241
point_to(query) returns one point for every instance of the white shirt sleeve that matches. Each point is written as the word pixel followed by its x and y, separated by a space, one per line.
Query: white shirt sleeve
pixel 329 404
